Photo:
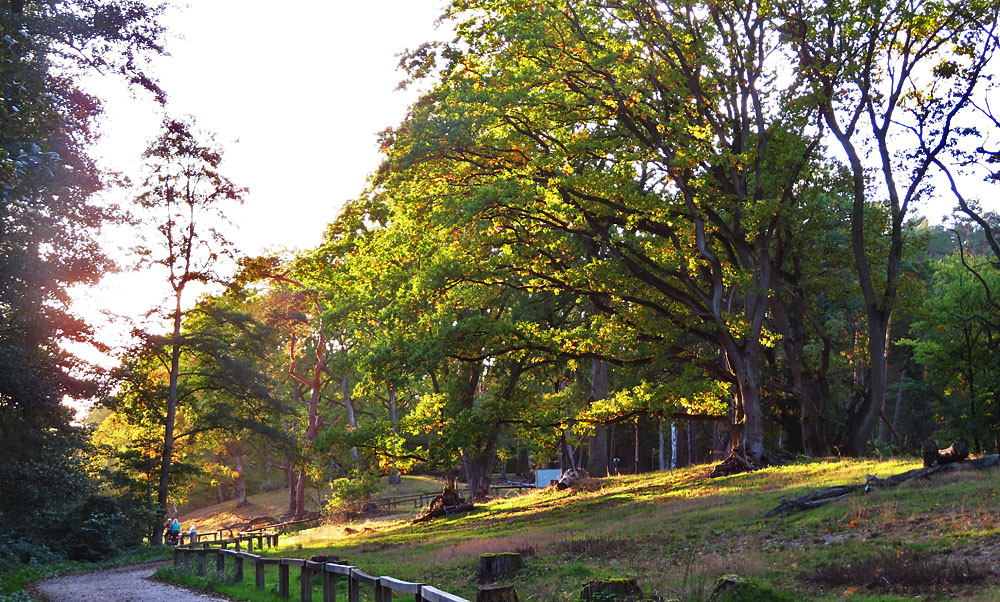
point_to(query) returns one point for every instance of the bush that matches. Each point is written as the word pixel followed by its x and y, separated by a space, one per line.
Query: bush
pixel 97 528
pixel 349 495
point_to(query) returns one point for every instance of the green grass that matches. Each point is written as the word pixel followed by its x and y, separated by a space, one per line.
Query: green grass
pixel 677 532
pixel 274 503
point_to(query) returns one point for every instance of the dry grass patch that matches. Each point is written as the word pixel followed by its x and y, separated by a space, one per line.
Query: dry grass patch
pixel 526 544
pixel 901 572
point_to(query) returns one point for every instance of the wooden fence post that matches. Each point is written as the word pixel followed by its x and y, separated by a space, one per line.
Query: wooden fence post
pixel 382 593
pixel 329 586
pixel 306 584
pixel 238 567
pixel 353 588
pixel 220 562
pixel 259 570
pixel 284 590
pixel 331 574
pixel 201 562
pixel 282 580
pixel 388 585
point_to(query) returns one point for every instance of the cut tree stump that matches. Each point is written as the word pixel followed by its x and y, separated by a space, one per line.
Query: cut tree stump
pixel 600 590
pixel 493 567
pixel 569 477
pixel 497 593
pixel 958 452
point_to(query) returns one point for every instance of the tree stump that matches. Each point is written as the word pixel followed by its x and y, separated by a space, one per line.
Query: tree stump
pixel 618 589
pixel 496 593
pixel 733 588
pixel 569 477
pixel 958 452
pixel 493 567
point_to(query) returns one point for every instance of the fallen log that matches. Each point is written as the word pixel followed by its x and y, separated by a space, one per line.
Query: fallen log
pixel 442 511
pixel 821 497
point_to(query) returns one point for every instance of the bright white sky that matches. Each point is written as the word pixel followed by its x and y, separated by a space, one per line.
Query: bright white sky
pixel 295 91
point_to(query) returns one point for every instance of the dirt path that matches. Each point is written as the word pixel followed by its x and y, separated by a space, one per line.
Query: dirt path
pixel 127 584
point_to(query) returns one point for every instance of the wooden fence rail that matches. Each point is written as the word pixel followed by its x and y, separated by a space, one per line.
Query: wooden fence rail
pixel 270 539
pixel 331 573
pixel 419 500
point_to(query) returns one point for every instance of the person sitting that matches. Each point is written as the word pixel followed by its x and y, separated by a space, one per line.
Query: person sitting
pixel 174 531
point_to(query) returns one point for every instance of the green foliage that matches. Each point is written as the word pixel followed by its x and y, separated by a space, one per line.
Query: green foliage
pixel 348 495
pixel 98 528
pixel 954 338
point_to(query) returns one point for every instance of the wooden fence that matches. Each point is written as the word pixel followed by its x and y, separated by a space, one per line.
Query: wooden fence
pixel 262 539
pixel 419 500
pixel 331 573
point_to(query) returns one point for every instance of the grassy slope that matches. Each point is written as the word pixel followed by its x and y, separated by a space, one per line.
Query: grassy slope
pixel 676 532
pixel 274 503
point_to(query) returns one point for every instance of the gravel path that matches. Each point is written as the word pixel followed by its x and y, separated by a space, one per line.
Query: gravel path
pixel 127 584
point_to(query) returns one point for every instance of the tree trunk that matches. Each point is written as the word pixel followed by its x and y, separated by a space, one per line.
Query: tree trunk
pixel 351 418
pixel 899 403
pixel 292 482
pixel 635 457
pixel 597 461
pixel 882 436
pixel 300 495
pixel 674 445
pixel 394 478
pixel 861 416
pixel 168 434
pixel 749 416
pixel 692 444
pixel 478 467
pixel 809 386
pixel 241 480
pixel 523 465
pixel 659 434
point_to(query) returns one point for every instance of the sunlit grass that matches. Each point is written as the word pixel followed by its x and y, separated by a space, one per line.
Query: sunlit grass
pixel 275 503
pixel 677 531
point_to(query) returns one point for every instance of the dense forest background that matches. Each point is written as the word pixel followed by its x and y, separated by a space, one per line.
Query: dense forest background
pixel 624 236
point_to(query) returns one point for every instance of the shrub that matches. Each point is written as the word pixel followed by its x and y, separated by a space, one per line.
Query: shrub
pixel 97 528
pixel 349 495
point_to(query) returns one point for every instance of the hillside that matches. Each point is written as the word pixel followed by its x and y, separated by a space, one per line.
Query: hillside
pixel 275 503
pixel 677 532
